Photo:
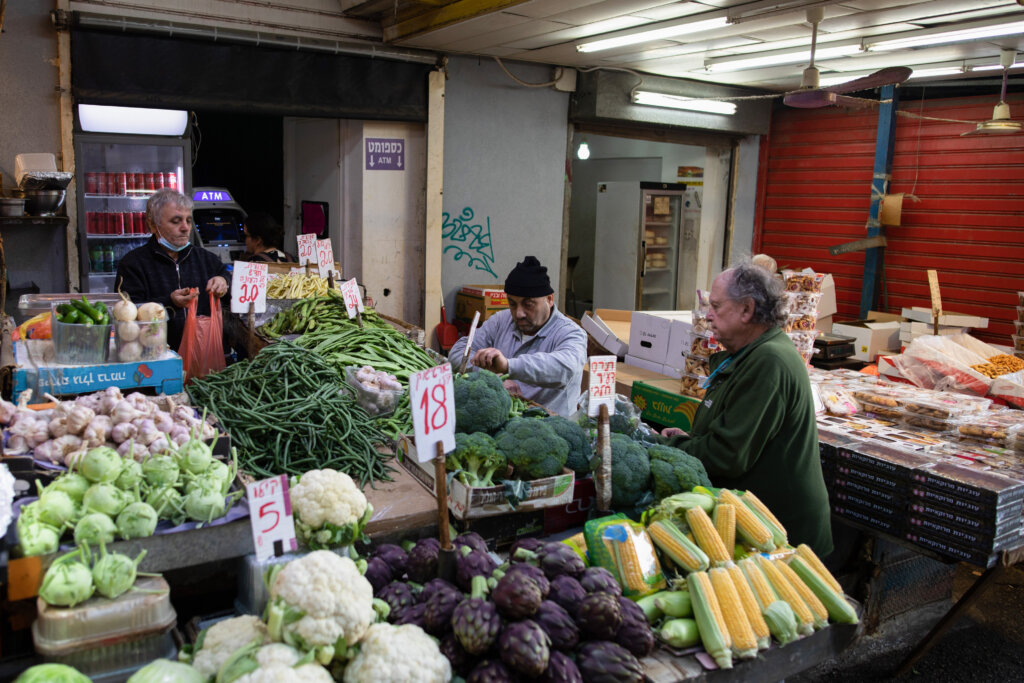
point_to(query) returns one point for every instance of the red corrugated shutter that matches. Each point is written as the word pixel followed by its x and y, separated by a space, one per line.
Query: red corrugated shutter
pixel 968 224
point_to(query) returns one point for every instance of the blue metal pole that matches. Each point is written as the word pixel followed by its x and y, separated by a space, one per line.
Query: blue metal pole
pixel 885 140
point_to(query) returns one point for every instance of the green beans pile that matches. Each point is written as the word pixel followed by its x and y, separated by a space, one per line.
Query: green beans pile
pixel 383 349
pixel 316 313
pixel 399 422
pixel 288 411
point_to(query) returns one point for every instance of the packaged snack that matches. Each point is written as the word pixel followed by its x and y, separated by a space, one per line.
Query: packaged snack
pixel 837 399
pixel 802 282
pixel 697 366
pixel 703 346
pixel 799 323
pixel 691 385
pixel 803 303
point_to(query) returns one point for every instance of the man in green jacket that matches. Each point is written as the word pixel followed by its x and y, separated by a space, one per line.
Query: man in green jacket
pixel 755 429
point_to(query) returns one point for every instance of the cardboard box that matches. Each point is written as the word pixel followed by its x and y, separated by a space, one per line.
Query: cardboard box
pixel 603 334
pixel 467 502
pixel 485 299
pixel 626 375
pixel 680 337
pixel 924 315
pixel 502 530
pixel 652 366
pixel 879 332
pixel 165 374
pixel 576 512
pixel 664 406
pixel 649 337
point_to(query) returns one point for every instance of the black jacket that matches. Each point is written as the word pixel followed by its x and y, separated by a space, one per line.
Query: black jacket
pixel 149 274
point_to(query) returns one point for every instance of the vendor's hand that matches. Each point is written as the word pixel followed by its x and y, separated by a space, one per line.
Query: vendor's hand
pixel 673 431
pixel 491 359
pixel 181 297
pixel 217 285
pixel 513 388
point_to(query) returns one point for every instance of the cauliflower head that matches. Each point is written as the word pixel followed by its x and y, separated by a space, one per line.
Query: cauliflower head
pixel 330 510
pixel 217 643
pixel 279 663
pixel 320 603
pixel 398 654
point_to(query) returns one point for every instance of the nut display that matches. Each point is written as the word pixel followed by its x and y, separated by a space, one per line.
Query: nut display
pixel 1001 364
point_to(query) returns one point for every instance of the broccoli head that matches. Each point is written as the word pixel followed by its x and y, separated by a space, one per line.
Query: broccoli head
pixel 482 403
pixel 675 471
pixel 581 453
pixel 532 448
pixel 631 471
pixel 476 459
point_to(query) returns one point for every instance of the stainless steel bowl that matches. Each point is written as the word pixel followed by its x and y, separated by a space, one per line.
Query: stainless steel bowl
pixel 43 202
pixel 12 206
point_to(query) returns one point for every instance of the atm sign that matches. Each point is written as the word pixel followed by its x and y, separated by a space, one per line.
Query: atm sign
pixel 211 196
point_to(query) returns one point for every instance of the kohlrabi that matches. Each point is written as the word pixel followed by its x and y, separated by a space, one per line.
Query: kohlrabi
pixel 160 470
pixel 114 573
pixel 137 520
pixel 195 456
pixel 93 528
pixel 55 508
pixel 131 475
pixel 105 498
pixel 71 483
pixel 101 464
pixel 68 581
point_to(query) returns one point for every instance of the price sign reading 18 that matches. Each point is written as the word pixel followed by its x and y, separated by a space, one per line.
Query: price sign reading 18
pixel 602 384
pixel 270 513
pixel 307 248
pixel 433 410
pixel 249 285
pixel 324 258
pixel 353 302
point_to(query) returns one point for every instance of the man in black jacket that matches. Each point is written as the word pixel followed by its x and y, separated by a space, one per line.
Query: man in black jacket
pixel 167 267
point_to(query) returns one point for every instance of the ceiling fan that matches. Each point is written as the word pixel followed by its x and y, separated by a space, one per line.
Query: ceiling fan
pixel 810 96
pixel 1000 123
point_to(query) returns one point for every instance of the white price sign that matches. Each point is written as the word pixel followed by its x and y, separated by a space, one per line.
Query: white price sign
pixel 324 258
pixel 307 248
pixel 270 515
pixel 433 410
pixel 249 285
pixel 353 302
pixel 602 384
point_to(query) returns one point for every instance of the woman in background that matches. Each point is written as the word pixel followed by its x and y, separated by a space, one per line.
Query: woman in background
pixel 263 239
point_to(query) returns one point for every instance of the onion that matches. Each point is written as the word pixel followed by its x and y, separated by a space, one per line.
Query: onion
pixel 130 352
pixel 154 335
pixel 128 331
pixel 150 312
pixel 124 310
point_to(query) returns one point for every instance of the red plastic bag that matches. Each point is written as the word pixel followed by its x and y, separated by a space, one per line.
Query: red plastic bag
pixel 202 348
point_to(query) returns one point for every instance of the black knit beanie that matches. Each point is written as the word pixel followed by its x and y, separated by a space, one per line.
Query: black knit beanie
pixel 528 279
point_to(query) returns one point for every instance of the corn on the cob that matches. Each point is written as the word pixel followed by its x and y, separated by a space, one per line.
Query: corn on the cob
pixel 724 518
pixel 750 608
pixel 744 642
pixel 781 621
pixel 630 575
pixel 686 554
pixel 706 536
pixel 806 594
pixel 771 521
pixel 805 553
pixel 758 583
pixel 748 526
pixel 710 622
pixel 787 593
pixel 839 610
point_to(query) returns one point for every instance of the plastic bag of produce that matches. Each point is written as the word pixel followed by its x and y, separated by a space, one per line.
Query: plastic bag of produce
pixel 202 345
pixel 377 392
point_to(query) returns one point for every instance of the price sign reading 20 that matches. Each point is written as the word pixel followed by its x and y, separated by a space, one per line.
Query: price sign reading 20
pixel 433 410
pixel 249 286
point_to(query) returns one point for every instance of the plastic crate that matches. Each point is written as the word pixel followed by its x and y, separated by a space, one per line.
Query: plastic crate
pixel 80 344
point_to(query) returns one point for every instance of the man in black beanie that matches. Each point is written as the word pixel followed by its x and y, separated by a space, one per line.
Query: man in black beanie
pixel 542 351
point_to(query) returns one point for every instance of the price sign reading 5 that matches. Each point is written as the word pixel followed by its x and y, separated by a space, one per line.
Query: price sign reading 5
pixel 602 384
pixel 270 515
pixel 433 410
pixel 353 302
pixel 249 285
pixel 324 258
pixel 307 248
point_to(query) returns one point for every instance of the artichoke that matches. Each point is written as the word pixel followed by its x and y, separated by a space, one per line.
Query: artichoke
pixel 534 573
pixel 559 626
pixel 525 647
pixel 421 564
pixel 462 662
pixel 533 544
pixel 561 669
pixel 413 614
pixel 600 580
pixel 379 573
pixel 399 596
pixel 472 539
pixel 600 616
pixel 395 557
pixel 491 671
pixel 476 621
pixel 470 563
pixel 435 585
pixel 517 596
pixel 635 633
pixel 604 662
pixel 568 593
pixel 438 608
pixel 555 559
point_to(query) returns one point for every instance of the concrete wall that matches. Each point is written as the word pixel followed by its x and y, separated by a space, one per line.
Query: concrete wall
pixel 504 172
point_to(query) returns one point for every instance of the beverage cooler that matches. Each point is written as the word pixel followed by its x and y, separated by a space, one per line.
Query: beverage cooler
pixel 116 175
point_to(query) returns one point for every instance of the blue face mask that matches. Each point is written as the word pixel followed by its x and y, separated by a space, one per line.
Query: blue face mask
pixel 170 247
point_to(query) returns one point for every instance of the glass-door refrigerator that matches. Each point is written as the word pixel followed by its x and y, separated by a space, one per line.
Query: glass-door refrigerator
pixel 638 243
pixel 116 175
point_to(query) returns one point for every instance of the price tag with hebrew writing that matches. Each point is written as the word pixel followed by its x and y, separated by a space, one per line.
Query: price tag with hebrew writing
pixel 602 384
pixel 433 410
pixel 270 515
pixel 307 248
pixel 324 258
pixel 249 285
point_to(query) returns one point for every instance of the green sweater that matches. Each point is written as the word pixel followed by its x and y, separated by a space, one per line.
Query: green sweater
pixel 756 430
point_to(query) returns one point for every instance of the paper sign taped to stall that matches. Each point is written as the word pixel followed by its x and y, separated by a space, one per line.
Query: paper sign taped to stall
pixel 353 302
pixel 324 258
pixel 433 410
pixel 602 384
pixel 307 248
pixel 270 515
pixel 249 285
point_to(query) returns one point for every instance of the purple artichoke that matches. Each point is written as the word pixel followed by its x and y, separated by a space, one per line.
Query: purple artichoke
pixel 413 614
pixel 605 662
pixel 525 647
pixel 421 564
pixel 476 621
pixel 435 585
pixel 600 580
pixel 568 593
pixel 560 669
pixel 491 671
pixel 472 539
pixel 462 662
pixel 393 555
pixel 532 544
pixel 398 595
pixel 555 559
pixel 635 633
pixel 379 573
pixel 437 617
pixel 534 573
pixel 517 596
pixel 470 563
pixel 600 616
pixel 559 626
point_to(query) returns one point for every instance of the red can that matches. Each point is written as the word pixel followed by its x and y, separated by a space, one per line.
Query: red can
pixel 129 181
pixel 158 181
pixel 150 182
pixel 122 183
pixel 139 222
pixel 112 183
pixel 90 183
pixel 118 223
pixel 101 183
pixel 90 222
pixel 140 182
pixel 171 180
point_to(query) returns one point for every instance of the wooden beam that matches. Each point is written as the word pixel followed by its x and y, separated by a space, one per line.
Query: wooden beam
pixel 433 294
pixel 67 149
pixel 433 19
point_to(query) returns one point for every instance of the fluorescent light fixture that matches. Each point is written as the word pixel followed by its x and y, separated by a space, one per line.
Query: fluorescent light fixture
pixel 654 99
pixel 583 152
pixel 995 67
pixel 938 71
pixel 97 118
pixel 653 34
pixel 783 58
pixel 956 36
